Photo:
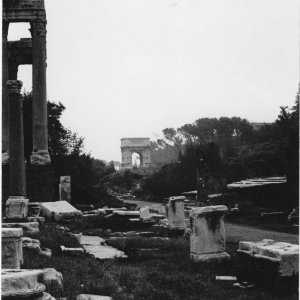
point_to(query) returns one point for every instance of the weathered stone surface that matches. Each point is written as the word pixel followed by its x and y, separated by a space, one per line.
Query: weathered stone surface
pixel 92 297
pixel 176 213
pixel 144 212
pixel 34 209
pixel 53 280
pixel 65 188
pixel 20 283
pixel 12 253
pixel 207 239
pixel 16 207
pixel 95 246
pixel 33 247
pixel 59 210
pixel 72 251
pixel 46 296
pixel 287 255
pixel 32 227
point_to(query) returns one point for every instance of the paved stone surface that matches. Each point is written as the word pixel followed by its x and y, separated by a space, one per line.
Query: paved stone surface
pixel 95 245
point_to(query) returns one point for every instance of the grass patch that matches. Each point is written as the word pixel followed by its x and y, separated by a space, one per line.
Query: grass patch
pixel 167 274
pixel 52 238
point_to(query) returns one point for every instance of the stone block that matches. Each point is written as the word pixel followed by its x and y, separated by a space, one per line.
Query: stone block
pixel 72 251
pixel 144 212
pixel 30 227
pixel 21 283
pixel 287 255
pixel 32 247
pixel 176 213
pixel 207 239
pixel 12 254
pixel 59 210
pixel 53 280
pixel 16 208
pixel 92 297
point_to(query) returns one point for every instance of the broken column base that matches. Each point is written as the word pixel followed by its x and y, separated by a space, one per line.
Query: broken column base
pixel 16 208
pixel 23 284
pixel 210 257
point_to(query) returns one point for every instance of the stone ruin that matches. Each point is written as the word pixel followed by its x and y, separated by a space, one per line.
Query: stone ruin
pixel 18 283
pixel 135 145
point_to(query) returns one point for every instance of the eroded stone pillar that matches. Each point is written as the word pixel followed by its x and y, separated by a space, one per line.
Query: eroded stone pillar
pixel 207 240
pixel 65 188
pixel 17 204
pixel 5 125
pixel 40 154
pixel 176 214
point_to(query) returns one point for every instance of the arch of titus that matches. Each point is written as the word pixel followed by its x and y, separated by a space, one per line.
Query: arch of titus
pixel 135 145
pixel 27 51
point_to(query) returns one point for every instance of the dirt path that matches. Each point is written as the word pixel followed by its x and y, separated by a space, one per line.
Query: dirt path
pixel 236 232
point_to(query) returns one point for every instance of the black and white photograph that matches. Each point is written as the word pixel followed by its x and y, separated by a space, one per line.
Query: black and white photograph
pixel 150 149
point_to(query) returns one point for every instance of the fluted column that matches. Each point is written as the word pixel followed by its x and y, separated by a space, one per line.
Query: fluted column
pixel 5 117
pixel 40 154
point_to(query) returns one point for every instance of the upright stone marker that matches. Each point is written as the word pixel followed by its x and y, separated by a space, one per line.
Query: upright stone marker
pixel 176 213
pixel 207 240
pixel 65 188
pixel 17 204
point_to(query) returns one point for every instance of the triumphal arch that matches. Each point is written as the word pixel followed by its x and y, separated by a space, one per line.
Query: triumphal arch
pixel 140 146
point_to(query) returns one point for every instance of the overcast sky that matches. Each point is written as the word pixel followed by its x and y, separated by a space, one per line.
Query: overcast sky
pixel 130 68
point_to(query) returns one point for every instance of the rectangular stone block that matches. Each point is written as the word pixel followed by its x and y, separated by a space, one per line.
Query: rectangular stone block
pixel 16 207
pixel 59 210
pixel 12 253
pixel 175 213
pixel 207 239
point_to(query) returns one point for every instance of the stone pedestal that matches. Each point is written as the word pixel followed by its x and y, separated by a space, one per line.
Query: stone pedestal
pixel 65 188
pixel 176 214
pixel 207 240
pixel 12 254
pixel 16 208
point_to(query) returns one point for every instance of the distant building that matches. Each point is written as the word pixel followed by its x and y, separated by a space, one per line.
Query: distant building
pixel 258 126
pixel 117 165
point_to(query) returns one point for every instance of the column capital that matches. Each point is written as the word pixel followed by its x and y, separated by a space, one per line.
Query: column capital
pixel 38 27
pixel 5 25
pixel 14 86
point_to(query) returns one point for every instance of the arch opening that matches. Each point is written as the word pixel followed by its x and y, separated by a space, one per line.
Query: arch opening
pixel 136 159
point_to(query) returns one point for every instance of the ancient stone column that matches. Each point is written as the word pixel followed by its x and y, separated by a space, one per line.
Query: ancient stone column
pixel 16 205
pixel 176 214
pixel 40 154
pixel 5 126
pixel 207 240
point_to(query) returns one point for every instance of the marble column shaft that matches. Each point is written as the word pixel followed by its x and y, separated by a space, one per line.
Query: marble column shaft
pixel 17 179
pixel 39 105
pixel 5 112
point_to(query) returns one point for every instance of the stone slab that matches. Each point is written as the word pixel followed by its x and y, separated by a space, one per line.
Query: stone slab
pixel 92 297
pixel 12 232
pixel 72 251
pixel 208 209
pixel 32 227
pixel 20 283
pixel 209 257
pixel 59 210
pixel 286 254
